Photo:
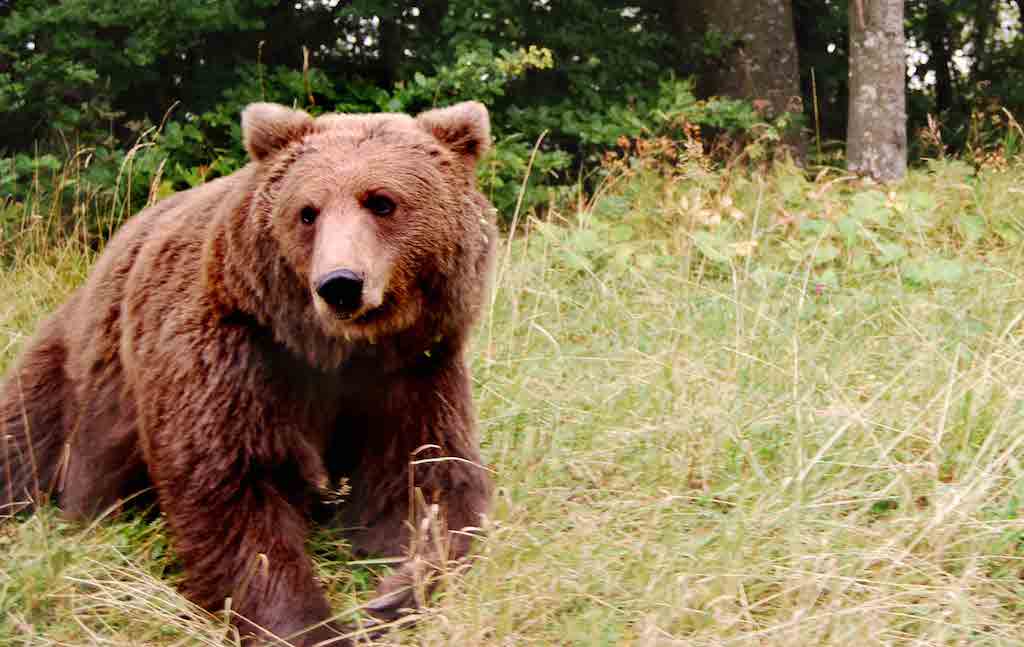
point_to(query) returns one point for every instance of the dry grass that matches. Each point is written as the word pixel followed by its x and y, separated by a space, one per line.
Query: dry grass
pixel 747 452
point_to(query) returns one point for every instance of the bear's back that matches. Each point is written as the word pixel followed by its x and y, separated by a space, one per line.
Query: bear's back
pixel 162 241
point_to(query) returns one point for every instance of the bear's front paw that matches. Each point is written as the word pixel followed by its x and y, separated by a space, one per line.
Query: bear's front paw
pixel 402 592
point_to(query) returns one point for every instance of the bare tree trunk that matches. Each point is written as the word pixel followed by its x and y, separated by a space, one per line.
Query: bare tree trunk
pixel 761 64
pixel 876 142
pixel 937 27
pixel 389 47
pixel 983 18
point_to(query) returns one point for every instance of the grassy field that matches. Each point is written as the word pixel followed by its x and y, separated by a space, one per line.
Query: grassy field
pixel 743 409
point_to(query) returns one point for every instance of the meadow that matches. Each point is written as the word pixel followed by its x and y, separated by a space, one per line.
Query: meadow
pixel 762 406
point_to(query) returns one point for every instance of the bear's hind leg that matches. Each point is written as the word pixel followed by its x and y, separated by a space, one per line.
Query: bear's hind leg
pixel 32 402
pixel 104 464
pixel 100 476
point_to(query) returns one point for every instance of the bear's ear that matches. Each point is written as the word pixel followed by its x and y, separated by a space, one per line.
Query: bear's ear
pixel 269 127
pixel 465 128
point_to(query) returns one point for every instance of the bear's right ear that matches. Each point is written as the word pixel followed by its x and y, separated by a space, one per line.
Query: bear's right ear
pixel 269 127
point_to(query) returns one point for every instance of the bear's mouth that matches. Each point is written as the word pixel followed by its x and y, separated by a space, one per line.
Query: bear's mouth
pixel 388 314
pixel 349 322
pixel 359 318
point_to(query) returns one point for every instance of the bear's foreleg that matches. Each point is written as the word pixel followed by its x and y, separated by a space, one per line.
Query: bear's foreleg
pixel 221 451
pixel 421 485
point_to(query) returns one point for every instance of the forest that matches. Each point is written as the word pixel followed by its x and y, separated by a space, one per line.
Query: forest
pixel 751 371
pixel 101 76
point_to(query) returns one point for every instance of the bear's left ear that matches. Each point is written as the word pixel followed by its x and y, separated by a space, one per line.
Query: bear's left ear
pixel 465 128
pixel 269 127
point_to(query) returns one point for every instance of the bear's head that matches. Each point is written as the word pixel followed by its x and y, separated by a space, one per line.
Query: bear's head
pixel 372 224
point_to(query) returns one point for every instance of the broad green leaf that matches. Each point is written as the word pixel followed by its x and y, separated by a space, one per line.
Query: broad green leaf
pixel 585 241
pixel 646 261
pixel 815 226
pixel 972 228
pixel 711 246
pixel 825 254
pixel 621 233
pixel 1008 233
pixel 920 202
pixel 849 230
pixel 890 253
pixel 933 271
pixel 828 279
pixel 793 188
pixel 861 261
pixel 623 255
pixel 576 261
pixel 869 206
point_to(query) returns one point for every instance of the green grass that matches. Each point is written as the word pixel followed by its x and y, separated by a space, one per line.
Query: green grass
pixel 815 441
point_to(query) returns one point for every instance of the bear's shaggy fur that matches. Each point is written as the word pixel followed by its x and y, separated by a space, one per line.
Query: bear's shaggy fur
pixel 204 357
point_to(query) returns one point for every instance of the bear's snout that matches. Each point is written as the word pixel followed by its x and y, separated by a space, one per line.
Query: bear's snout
pixel 342 290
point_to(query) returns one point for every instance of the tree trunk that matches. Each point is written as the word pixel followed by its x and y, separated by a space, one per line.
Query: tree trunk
pixel 937 29
pixel 687 21
pixel 983 19
pixel 432 14
pixel 876 142
pixel 389 48
pixel 760 62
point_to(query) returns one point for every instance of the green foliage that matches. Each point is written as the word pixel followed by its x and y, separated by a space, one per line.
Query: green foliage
pixel 478 72
pixel 193 147
pixel 79 64
pixel 81 73
pixel 161 86
pixel 209 145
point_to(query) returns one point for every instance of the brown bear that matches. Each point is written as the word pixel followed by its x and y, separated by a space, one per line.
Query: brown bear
pixel 242 344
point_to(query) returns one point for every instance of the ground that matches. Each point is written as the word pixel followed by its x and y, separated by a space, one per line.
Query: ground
pixel 811 441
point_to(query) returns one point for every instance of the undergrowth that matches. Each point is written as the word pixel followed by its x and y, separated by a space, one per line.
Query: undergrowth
pixel 740 407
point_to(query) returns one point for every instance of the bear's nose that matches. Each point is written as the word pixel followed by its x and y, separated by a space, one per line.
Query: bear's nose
pixel 342 290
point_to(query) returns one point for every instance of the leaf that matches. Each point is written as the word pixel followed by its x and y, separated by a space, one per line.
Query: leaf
pixel 934 271
pixel 585 241
pixel 552 233
pixel 1008 233
pixel 48 162
pixel 623 255
pixel 920 202
pixel 972 228
pixel 793 188
pixel 825 254
pixel 869 206
pixel 711 246
pixel 621 233
pixel 576 261
pixel 646 261
pixel 828 279
pixel 861 261
pixel 849 230
pixel 815 227
pixel 890 253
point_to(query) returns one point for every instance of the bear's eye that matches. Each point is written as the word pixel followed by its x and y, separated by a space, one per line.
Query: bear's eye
pixel 308 215
pixel 379 205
